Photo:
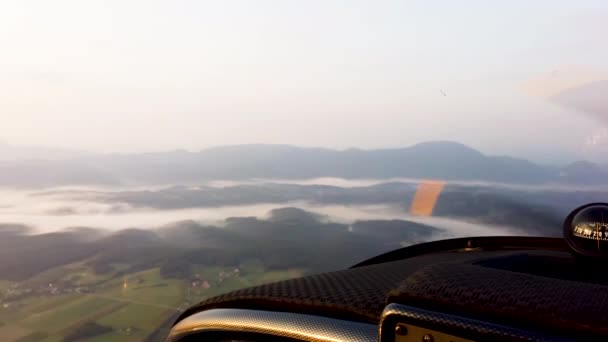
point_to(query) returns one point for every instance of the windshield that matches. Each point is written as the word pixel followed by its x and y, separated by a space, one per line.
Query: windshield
pixel 157 153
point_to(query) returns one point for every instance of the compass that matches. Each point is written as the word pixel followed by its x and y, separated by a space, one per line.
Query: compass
pixel 586 230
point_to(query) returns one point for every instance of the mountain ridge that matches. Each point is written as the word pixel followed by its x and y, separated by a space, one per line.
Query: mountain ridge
pixel 443 160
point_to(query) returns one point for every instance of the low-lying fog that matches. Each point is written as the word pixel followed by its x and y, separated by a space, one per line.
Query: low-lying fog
pixel 58 208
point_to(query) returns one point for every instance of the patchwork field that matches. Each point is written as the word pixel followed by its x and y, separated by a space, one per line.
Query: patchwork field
pixel 84 306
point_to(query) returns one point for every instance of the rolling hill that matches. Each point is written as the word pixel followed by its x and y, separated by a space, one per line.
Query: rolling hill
pixel 288 238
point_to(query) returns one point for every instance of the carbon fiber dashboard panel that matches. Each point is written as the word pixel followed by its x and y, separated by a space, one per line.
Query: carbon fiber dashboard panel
pixel 518 298
pixel 356 294
pixel 275 324
pixel 466 283
pixel 487 243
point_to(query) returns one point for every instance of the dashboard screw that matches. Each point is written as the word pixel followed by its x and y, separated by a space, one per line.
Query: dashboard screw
pixel 401 330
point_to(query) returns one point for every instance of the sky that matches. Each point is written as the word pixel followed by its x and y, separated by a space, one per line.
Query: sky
pixel 131 75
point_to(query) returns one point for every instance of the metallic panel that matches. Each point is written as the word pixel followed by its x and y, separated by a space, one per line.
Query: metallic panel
pixel 280 324
pixel 411 333
pixel 451 324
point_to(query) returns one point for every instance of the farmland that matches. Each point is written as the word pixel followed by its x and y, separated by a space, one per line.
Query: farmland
pixel 127 307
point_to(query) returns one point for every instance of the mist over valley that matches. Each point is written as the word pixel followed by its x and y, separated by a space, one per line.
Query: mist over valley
pixel 85 228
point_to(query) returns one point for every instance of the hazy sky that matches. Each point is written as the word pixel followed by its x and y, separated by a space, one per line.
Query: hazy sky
pixel 149 75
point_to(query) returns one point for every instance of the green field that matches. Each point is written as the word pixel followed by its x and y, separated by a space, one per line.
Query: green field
pixel 36 305
pixel 133 306
pixel 70 315
pixel 11 332
pixel 146 287
pixel 4 284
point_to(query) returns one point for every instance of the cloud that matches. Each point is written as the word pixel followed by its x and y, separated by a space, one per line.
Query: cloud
pixel 561 78
pixel 589 98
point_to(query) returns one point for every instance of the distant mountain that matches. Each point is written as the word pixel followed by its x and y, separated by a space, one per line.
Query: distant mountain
pixel 437 160
pixel 440 160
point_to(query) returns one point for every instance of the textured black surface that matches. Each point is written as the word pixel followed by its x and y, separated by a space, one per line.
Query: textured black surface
pixel 484 285
pixel 487 243
pixel 358 294
pixel 519 298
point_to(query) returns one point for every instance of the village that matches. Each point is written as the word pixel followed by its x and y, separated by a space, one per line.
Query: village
pixel 12 294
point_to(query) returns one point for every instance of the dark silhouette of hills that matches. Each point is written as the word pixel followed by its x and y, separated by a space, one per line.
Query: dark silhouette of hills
pixel 293 216
pixel 445 160
pixel 522 207
pixel 533 212
pixel 26 255
pixel 289 237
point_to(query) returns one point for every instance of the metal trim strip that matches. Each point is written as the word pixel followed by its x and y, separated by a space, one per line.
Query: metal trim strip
pixel 273 323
